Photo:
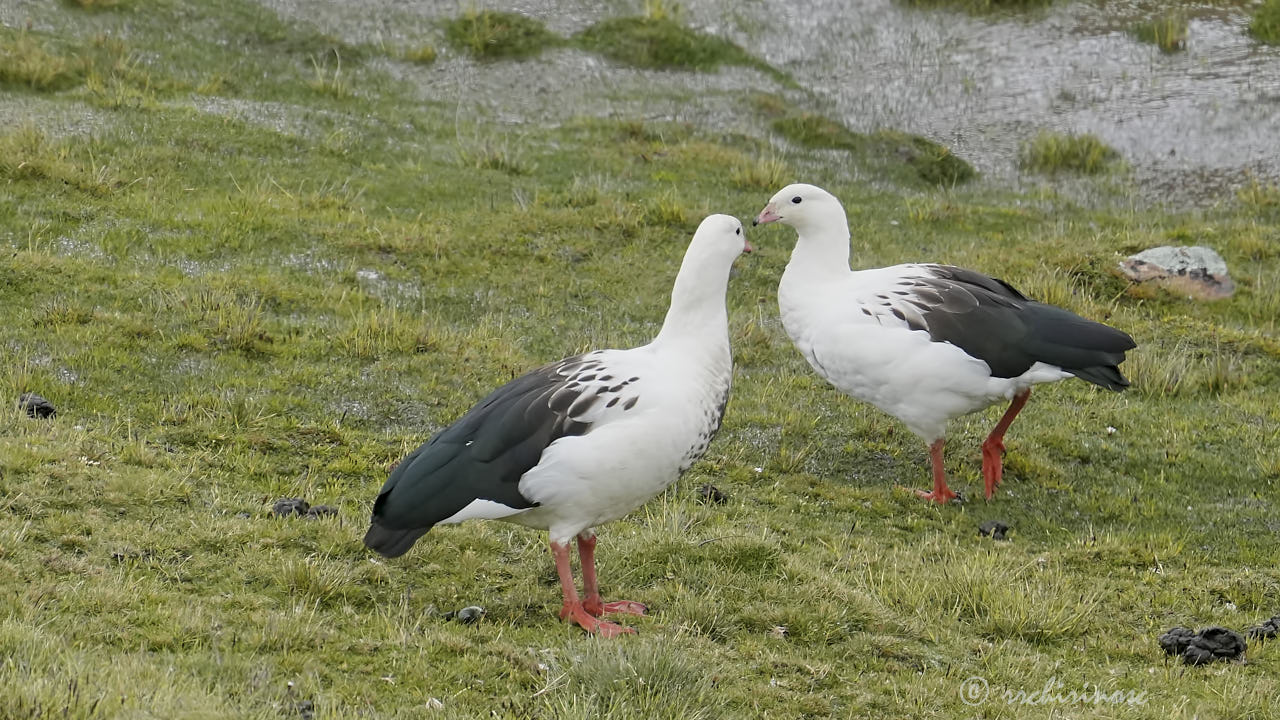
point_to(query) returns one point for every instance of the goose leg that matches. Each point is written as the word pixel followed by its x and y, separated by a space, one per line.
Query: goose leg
pixel 993 446
pixel 940 493
pixel 572 609
pixel 592 604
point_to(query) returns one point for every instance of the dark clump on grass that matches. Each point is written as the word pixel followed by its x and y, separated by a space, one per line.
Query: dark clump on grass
pixel 1265 26
pixel 492 35
pixel 1050 152
pixel 928 161
pixel 1167 32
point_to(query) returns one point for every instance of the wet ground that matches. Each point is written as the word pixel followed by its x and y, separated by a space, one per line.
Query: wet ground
pixel 1192 124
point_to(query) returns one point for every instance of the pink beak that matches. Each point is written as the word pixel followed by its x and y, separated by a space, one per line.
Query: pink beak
pixel 767 215
pixel 746 246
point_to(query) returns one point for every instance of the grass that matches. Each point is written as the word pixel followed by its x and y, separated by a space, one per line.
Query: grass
pixel 928 161
pixel 660 41
pixel 1265 26
pixel 1168 31
pixel 266 289
pixel 1050 153
pixel 492 35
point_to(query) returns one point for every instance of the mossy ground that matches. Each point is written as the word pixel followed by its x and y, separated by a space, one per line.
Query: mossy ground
pixel 260 272
pixel 892 150
pixel 1051 152
pixel 1167 31
pixel 1265 25
pixel 492 34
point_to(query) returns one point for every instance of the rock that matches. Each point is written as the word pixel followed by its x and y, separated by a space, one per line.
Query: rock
pixel 36 406
pixel 1266 631
pixel 1195 271
pixel 709 493
pixel 1214 643
pixel 290 506
pixel 470 614
pixel 317 511
pixel 996 529
pixel 1176 640
pixel 1199 648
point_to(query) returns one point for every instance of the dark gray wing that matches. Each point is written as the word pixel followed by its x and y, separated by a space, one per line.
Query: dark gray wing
pixel 483 455
pixel 990 320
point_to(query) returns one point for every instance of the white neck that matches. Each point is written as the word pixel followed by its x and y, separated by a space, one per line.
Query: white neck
pixel 697 316
pixel 822 248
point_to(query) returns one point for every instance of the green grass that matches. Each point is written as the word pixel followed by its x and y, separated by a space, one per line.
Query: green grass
pixel 1050 153
pixel 662 42
pixel 236 287
pixel 928 161
pixel 1265 26
pixel 1167 31
pixel 492 35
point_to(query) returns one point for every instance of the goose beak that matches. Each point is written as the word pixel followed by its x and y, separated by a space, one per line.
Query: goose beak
pixel 746 246
pixel 767 215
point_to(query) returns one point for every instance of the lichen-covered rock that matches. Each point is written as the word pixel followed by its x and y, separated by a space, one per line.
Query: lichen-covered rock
pixel 1197 272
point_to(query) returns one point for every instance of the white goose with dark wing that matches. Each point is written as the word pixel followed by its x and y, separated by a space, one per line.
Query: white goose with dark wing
pixel 927 343
pixel 582 441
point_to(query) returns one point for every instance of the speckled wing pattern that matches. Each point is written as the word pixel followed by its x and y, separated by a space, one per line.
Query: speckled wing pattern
pixel 484 453
pixel 990 320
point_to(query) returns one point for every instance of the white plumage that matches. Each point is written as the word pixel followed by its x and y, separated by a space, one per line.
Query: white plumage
pixel 926 343
pixel 582 441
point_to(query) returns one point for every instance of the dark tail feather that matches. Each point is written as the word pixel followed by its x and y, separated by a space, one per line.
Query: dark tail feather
pixel 391 543
pixel 1108 376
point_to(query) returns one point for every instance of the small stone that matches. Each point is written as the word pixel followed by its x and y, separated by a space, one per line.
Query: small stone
pixel 305 709
pixel 36 406
pixel 1268 630
pixel 470 615
pixel 316 511
pixel 1195 271
pixel 709 493
pixel 285 507
pixel 994 529
pixel 778 632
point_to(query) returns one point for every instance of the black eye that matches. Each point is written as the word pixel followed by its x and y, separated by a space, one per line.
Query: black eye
pixel 796 199
pixel 738 231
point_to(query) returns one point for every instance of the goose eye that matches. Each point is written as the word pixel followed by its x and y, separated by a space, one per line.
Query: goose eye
pixel 796 200
pixel 738 231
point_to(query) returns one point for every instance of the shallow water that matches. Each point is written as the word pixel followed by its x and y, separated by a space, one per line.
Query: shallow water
pixel 1193 125
pixel 984 84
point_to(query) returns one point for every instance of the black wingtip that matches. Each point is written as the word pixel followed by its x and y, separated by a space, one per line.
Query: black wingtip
pixel 391 543
pixel 1107 376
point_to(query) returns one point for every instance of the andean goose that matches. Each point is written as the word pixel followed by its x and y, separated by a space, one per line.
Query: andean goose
pixel 582 441
pixel 927 343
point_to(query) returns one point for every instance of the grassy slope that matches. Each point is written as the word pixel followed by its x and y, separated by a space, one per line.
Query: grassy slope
pixel 192 291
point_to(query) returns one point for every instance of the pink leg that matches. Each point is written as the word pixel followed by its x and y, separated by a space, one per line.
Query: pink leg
pixel 572 609
pixel 940 494
pixel 993 446
pixel 593 605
